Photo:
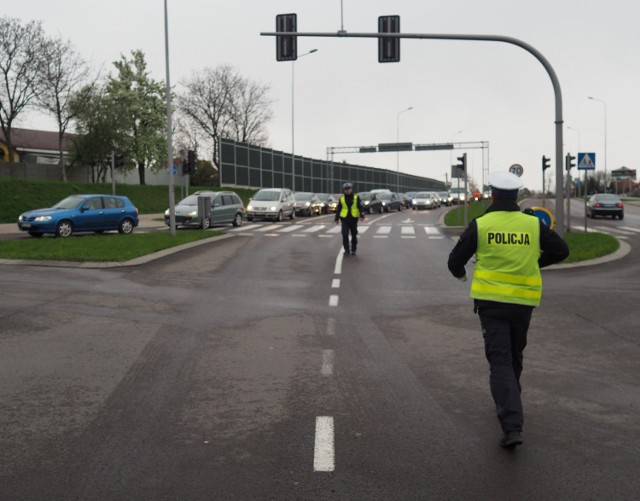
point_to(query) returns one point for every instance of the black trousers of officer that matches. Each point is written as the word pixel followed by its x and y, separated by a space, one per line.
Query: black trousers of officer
pixel 349 225
pixel 504 328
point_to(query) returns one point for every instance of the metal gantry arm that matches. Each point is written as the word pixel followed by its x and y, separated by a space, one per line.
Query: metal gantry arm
pixel 478 38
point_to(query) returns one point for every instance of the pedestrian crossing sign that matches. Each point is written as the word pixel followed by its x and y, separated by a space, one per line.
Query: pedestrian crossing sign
pixel 586 161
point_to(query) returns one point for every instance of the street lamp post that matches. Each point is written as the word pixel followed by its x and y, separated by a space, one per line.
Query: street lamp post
pixel 605 138
pixel 172 203
pixel 397 141
pixel 293 80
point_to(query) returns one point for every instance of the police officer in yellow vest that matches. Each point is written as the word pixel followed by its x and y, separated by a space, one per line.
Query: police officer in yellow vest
pixel 348 211
pixel 510 249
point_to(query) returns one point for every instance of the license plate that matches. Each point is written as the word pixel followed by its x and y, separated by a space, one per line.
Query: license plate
pixel 26 225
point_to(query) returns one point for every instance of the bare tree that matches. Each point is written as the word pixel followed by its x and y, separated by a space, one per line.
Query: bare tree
pixel 63 72
pixel 219 102
pixel 251 112
pixel 20 65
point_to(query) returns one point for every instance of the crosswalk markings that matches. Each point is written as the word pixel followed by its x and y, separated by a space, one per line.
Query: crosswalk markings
pixel 246 227
pixel 408 230
pixel 293 227
pixel 314 228
pixel 614 229
pixel 270 227
pixel 383 230
pixel 628 228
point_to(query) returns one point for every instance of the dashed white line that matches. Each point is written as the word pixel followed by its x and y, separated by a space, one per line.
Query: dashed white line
pixel 327 362
pixel 333 300
pixel 335 284
pixel 338 268
pixel 324 449
pixel 331 326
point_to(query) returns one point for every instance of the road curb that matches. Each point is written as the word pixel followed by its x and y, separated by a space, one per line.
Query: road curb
pixel 115 264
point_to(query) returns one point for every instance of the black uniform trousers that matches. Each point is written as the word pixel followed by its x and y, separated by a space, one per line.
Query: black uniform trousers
pixel 504 328
pixel 349 224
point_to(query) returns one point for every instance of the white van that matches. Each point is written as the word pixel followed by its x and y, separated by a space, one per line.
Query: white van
pixel 272 203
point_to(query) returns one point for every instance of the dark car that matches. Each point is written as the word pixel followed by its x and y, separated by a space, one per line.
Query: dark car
pixel 81 213
pixel 226 208
pixel 371 203
pixel 328 202
pixel 390 201
pixel 308 204
pixel 605 204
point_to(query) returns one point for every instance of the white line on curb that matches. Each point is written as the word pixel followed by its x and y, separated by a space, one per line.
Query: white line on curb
pixel 324 450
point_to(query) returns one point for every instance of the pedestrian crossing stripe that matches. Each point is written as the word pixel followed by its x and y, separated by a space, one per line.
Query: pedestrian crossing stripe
pixel 326 230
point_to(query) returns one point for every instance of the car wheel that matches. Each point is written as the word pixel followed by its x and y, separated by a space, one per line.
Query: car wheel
pixel 279 217
pixel 64 229
pixel 126 226
pixel 621 216
pixel 206 223
pixel 400 209
pixel 237 221
pixel 35 234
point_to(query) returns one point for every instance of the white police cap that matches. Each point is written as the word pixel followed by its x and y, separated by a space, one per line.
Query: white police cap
pixel 506 181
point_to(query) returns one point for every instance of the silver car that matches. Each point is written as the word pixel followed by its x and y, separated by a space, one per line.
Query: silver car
pixel 272 203
pixel 226 208
pixel 425 200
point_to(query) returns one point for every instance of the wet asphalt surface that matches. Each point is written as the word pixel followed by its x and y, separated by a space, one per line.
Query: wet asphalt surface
pixel 202 375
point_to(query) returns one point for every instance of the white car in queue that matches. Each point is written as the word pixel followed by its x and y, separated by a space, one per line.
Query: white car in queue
pixel 272 203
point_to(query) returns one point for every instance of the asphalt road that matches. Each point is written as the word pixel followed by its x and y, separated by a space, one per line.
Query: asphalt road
pixel 265 366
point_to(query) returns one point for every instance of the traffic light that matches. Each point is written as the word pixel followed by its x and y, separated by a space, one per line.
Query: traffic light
pixel 118 159
pixel 191 162
pixel 388 48
pixel 546 163
pixel 463 163
pixel 569 162
pixel 286 46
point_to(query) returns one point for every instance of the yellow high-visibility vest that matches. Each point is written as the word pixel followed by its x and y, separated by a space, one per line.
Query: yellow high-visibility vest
pixel 355 212
pixel 507 256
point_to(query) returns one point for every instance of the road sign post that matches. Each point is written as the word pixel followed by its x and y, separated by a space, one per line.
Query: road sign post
pixel 586 162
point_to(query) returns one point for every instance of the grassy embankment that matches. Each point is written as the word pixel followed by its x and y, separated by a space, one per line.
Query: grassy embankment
pixel 18 196
pixel 582 246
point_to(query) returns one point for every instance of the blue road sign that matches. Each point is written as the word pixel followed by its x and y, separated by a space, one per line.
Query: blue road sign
pixel 175 169
pixel 586 161
pixel 544 215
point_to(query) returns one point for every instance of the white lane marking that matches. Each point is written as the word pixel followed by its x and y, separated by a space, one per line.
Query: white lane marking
pixel 628 228
pixel 324 449
pixel 331 326
pixel 431 230
pixel 314 228
pixel 380 236
pixel 244 234
pixel 335 229
pixel 380 218
pixel 338 269
pixel 271 235
pixel 268 228
pixel 407 230
pixel 405 236
pixel 325 236
pixel 363 229
pixel 247 227
pixel 333 300
pixel 327 362
pixel 614 229
pixel 436 238
pixel 292 227
pixel 298 235
pixel 335 284
pixel 383 230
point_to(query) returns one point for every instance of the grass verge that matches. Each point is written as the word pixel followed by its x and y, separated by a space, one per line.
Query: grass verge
pixel 455 217
pixel 583 246
pixel 99 248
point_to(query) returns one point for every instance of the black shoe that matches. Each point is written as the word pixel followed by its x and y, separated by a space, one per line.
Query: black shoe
pixel 353 252
pixel 510 439
pixel 346 253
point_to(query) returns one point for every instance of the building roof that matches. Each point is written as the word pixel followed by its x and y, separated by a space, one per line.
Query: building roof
pixel 30 139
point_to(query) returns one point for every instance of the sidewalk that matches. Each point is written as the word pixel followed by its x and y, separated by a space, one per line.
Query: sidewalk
pixel 147 221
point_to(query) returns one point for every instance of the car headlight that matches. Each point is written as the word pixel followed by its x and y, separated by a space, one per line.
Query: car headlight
pixel 21 218
pixel 166 213
pixel 193 213
pixel 307 204
pixel 249 207
pixel 384 203
pixel 367 202
pixel 41 219
pixel 272 209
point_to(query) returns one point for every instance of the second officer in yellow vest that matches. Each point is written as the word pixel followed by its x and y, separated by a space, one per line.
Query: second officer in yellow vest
pixel 510 249
pixel 348 211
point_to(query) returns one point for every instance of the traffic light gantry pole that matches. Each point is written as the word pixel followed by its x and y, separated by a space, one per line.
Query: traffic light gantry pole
pixel 560 220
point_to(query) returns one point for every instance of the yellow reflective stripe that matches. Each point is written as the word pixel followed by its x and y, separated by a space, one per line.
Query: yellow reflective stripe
pixel 506 291
pixel 507 277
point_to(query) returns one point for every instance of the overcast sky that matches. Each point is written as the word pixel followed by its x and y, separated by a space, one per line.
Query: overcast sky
pixel 343 97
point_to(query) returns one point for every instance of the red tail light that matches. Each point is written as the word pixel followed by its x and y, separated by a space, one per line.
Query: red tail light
pixel 620 206
pixel 598 205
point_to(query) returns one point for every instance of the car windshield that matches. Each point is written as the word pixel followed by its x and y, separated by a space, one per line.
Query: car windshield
pixel 190 200
pixel 267 196
pixel 69 202
pixel 384 196
pixel 323 197
pixel 444 194
pixel 422 194
pixel 607 198
pixel 365 196
pixel 304 196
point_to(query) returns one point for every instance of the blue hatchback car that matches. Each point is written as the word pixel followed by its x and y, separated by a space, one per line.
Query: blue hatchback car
pixel 81 213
